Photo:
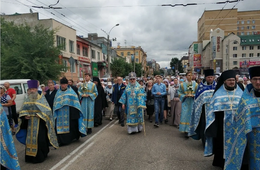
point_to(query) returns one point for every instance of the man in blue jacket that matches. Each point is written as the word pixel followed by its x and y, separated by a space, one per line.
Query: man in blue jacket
pixel 118 90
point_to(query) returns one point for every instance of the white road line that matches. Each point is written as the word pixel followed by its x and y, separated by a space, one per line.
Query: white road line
pixel 76 157
pixel 113 124
pixel 78 148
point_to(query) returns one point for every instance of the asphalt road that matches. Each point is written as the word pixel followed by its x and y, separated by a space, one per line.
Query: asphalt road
pixel 110 147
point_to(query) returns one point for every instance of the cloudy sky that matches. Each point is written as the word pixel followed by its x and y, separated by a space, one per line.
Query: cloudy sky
pixel 163 32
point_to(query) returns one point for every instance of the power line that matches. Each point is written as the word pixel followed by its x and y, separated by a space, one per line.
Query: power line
pixel 227 14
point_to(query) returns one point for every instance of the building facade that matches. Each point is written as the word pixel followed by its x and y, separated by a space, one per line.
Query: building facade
pixel 229 20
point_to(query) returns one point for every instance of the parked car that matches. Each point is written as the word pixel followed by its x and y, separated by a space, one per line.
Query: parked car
pixel 20 86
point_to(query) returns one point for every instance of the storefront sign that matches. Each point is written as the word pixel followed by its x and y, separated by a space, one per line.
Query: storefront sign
pixel 84 59
pixel 197 60
pixel 218 44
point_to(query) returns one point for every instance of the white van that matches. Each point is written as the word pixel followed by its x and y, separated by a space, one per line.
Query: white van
pixel 20 86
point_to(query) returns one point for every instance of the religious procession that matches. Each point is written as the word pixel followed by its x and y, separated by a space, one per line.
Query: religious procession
pixel 221 111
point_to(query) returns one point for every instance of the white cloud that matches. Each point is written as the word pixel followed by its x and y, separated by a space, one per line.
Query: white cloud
pixel 159 30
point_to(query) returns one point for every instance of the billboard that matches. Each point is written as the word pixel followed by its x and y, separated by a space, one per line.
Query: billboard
pixel 197 60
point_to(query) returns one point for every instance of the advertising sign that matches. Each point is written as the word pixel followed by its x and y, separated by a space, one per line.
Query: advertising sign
pixel 218 44
pixel 195 48
pixel 94 69
pixel 197 60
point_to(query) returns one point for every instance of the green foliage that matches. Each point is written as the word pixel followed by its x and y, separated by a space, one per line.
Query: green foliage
pixel 176 63
pixel 156 73
pixel 28 53
pixel 121 68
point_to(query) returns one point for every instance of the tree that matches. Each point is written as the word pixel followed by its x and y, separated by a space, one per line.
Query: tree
pixel 28 52
pixel 118 67
pixel 156 73
pixel 138 69
pixel 176 63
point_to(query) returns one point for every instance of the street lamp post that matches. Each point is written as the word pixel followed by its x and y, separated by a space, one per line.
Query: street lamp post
pixel 108 57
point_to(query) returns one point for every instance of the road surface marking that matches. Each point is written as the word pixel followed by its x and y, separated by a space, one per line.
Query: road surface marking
pixel 113 124
pixel 78 148
pixel 76 157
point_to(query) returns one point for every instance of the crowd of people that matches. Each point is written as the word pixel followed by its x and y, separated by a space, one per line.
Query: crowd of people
pixel 223 112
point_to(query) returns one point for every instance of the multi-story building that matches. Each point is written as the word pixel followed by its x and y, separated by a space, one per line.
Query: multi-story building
pixel 138 53
pixel 231 52
pixel 229 20
pixel 185 63
pixel 65 37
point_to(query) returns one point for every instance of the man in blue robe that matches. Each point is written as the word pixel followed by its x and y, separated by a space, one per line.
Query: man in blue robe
pixel 133 102
pixel 219 117
pixel 201 104
pixel 67 114
pixel 87 94
pixel 8 155
pixel 36 125
pixel 245 131
pixel 187 91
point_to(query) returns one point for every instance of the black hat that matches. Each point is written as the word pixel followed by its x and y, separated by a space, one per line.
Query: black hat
pixel 254 71
pixel 64 80
pixel 224 76
pixel 209 72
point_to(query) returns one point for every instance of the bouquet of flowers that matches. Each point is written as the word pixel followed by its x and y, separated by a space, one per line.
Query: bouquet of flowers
pixel 190 89
pixel 84 87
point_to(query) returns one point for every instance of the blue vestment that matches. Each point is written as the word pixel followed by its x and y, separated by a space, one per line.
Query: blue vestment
pixel 226 101
pixel 38 109
pixel 187 105
pixel 88 103
pixel 8 155
pixel 61 111
pixel 134 100
pixel 245 131
pixel 203 96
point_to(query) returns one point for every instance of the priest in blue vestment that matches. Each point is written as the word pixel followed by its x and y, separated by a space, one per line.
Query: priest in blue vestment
pixel 187 91
pixel 88 93
pixel 201 104
pixel 36 125
pixel 133 102
pixel 8 155
pixel 219 117
pixel 67 114
pixel 245 132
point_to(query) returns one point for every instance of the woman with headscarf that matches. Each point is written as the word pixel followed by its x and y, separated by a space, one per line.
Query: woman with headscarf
pixel 150 100
pixel 166 104
pixel 100 102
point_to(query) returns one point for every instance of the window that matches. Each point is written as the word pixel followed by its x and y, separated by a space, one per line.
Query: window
pixel 251 47
pixel 244 55
pixel 248 33
pixel 85 51
pixel 136 60
pixel 258 47
pixel 253 27
pixel 234 62
pixel 242 28
pixel 98 55
pixel 71 44
pixel 78 49
pixel 235 42
pixel 251 54
pixel 65 64
pixel 234 48
pixel 248 21
pixel 238 33
pixel 25 87
pixel 242 33
pixel 93 54
pixel 258 54
pixel 136 53
pixel 17 88
pixel 243 47
pixel 72 67
pixel 128 53
pixel 248 27
pixel 122 54
pixel 234 55
pixel 61 42
pixel 253 21
pixel 242 22
pixel 237 22
pixel 237 28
